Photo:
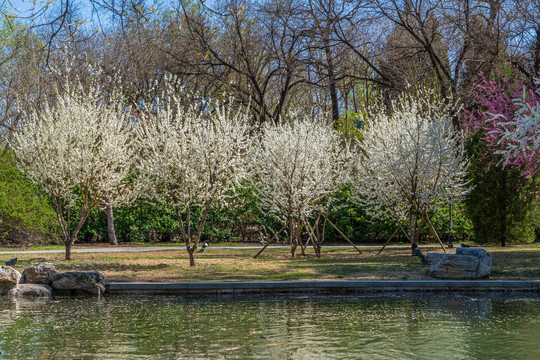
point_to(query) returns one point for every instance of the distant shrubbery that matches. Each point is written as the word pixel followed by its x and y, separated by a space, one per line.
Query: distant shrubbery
pixel 26 216
pixel 146 222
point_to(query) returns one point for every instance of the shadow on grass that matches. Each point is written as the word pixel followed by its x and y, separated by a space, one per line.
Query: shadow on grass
pixel 109 267
pixel 277 265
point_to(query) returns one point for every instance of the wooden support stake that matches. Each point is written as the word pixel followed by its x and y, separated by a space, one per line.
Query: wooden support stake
pixel 271 240
pixel 312 237
pixel 435 233
pixel 323 230
pixel 342 234
pixel 389 239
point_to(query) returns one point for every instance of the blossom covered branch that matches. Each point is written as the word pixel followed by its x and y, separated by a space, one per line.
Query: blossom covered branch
pixel 414 159
pixel 297 165
pixel 80 150
pixel 507 119
pixel 192 159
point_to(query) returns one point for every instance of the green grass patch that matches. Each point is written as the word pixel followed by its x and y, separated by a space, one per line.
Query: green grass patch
pixel 238 264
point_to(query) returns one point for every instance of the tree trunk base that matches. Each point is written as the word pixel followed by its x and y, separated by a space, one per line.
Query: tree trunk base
pixel 68 252
pixel 414 246
pixel 191 257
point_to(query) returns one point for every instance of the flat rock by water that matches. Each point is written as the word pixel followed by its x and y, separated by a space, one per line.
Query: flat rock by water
pixel 31 290
pixel 79 282
pixel 467 263
pixel 39 274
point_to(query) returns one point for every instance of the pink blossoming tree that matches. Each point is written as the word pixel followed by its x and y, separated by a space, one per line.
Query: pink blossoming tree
pixel 507 117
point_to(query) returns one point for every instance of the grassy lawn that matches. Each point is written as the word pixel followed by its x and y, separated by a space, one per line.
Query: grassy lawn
pixel 130 244
pixel 520 262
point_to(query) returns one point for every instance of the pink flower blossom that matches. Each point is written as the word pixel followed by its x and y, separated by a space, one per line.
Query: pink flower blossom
pixel 497 96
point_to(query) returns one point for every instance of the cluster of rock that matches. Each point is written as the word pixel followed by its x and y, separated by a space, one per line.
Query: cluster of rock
pixel 466 263
pixel 43 280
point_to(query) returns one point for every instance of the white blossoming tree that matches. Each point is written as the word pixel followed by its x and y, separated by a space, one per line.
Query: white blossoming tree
pixel 79 149
pixel 190 159
pixel 414 159
pixel 297 165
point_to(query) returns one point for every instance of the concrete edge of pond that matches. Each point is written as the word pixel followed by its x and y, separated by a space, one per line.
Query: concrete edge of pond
pixel 325 287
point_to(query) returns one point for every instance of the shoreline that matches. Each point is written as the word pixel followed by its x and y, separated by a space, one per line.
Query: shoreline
pixel 352 287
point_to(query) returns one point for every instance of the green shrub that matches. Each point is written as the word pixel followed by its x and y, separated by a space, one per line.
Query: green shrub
pixel 139 222
pixel 26 215
pixel 462 226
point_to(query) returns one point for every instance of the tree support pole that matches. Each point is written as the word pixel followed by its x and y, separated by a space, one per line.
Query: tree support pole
pixel 392 236
pixel 389 239
pixel 342 234
pixel 312 237
pixel 435 233
pixel 271 240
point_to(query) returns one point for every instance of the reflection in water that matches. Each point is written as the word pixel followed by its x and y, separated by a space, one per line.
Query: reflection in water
pixel 227 328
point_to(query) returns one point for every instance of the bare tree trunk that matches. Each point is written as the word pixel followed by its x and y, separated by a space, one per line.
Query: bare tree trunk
pixel 416 229
pixel 299 240
pixel 318 234
pixel 331 77
pixel 69 243
pixel 414 242
pixel 292 238
pixel 502 210
pixel 303 245
pixel 110 223
pixel 191 256
pixel 70 239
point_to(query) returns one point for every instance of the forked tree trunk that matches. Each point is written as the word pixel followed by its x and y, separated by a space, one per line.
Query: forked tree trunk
pixel 186 235
pixel 69 238
pixel 293 247
pixel 292 239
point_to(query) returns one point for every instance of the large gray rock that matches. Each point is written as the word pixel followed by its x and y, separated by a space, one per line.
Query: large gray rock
pixel 467 263
pixel 43 273
pixel 31 290
pixel 79 282
pixel 9 278
pixel 484 260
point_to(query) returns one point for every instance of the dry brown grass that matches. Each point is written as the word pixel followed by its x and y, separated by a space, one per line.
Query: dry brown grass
pixel 276 264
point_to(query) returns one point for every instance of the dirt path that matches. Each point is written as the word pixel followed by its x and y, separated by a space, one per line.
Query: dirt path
pixel 161 248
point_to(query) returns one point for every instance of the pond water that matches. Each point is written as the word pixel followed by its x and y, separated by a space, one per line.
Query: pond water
pixel 456 327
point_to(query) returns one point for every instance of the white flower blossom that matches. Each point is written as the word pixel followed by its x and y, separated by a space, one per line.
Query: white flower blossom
pixel 79 150
pixel 297 165
pixel 414 159
pixel 188 158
